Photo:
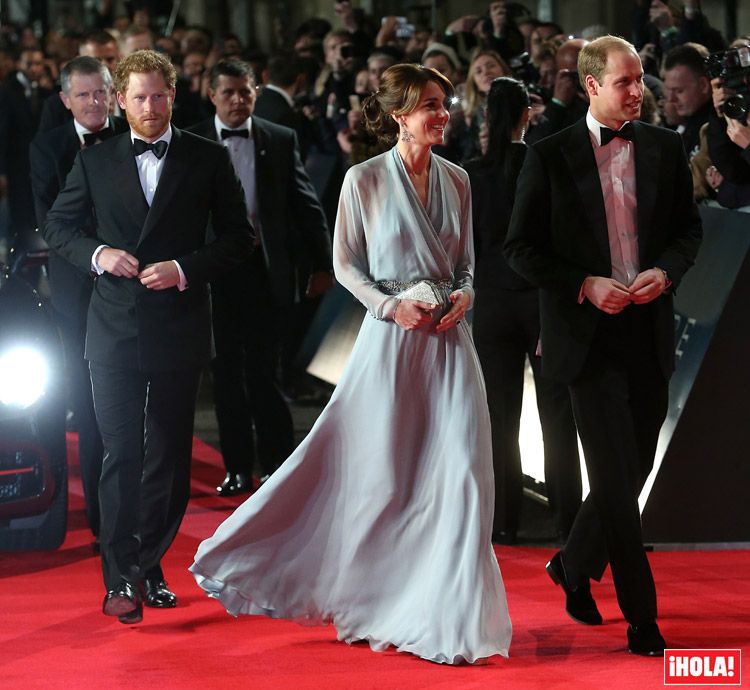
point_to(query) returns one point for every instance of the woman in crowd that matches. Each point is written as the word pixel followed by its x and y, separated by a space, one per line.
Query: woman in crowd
pixel 380 521
pixel 486 65
pixel 506 328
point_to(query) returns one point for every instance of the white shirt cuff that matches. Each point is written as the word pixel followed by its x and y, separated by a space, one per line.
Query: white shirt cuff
pixel 95 267
pixel 183 284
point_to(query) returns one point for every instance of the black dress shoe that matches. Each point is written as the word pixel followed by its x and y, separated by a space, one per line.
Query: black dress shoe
pixel 579 604
pixel 234 484
pixel 158 595
pixel 124 601
pixel 646 640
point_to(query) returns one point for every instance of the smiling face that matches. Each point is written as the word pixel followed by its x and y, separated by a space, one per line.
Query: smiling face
pixel 619 97
pixel 428 119
pixel 147 103
pixel 88 99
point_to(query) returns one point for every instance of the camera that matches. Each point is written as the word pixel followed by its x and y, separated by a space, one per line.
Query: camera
pixel 523 69
pixel 347 51
pixel 732 66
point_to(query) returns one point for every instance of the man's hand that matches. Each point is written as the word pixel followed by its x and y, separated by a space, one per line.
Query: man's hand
pixel 607 294
pixel 738 133
pixel 160 276
pixel 463 24
pixel 320 282
pixel 461 302
pixel 648 285
pixel 566 88
pixel 411 314
pixel 660 15
pixel 117 262
pixel 714 178
pixel 719 94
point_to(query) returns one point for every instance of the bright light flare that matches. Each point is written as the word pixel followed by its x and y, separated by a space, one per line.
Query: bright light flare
pixel 24 375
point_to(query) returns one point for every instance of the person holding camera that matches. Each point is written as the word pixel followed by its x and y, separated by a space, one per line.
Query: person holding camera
pixel 728 133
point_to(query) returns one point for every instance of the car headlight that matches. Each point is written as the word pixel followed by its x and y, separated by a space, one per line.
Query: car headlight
pixel 24 375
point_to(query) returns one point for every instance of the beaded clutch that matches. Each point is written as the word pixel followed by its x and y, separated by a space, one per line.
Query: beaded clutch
pixel 422 292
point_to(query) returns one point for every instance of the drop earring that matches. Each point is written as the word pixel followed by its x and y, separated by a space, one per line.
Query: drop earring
pixel 406 136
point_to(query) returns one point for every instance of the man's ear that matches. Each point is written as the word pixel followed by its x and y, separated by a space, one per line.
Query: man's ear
pixel 121 100
pixel 592 86
pixel 64 98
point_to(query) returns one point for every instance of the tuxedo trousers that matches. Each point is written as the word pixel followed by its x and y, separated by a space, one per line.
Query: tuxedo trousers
pixel 72 325
pixel 254 420
pixel 505 327
pixel 146 423
pixel 619 402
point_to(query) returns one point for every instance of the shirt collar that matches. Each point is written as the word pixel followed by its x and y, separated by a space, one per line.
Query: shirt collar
pixel 166 136
pixel 81 130
pixel 287 97
pixel 219 125
pixel 595 127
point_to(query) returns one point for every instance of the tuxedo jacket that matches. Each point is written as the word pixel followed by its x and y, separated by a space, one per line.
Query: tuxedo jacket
pixel 130 326
pixel 273 107
pixel 293 227
pixel 52 154
pixel 558 236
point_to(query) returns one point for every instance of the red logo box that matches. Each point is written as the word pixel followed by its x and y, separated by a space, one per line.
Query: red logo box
pixel 702 667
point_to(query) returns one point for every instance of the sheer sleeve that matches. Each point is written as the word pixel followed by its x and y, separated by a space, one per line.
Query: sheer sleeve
pixel 464 272
pixel 350 262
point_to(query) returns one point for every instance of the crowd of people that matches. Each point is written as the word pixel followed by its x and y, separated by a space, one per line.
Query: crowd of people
pixel 309 131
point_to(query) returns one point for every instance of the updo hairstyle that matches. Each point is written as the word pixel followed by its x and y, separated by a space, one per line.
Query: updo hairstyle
pixel 401 87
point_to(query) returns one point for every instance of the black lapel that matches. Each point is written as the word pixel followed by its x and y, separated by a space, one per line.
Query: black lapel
pixel 71 145
pixel 579 153
pixel 262 163
pixel 125 172
pixel 646 180
pixel 175 167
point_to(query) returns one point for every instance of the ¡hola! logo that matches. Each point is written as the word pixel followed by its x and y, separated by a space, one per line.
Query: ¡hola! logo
pixel 702 667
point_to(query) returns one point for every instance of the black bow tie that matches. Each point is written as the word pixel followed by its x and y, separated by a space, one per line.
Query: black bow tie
pixel 158 147
pixel 226 133
pixel 91 138
pixel 608 134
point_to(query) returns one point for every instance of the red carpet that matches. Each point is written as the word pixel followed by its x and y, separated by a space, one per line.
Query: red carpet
pixel 53 635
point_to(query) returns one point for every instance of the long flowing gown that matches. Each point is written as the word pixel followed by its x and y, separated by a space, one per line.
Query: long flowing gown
pixel 380 521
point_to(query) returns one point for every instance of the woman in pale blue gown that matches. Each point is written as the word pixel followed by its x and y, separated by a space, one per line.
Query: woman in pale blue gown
pixel 380 522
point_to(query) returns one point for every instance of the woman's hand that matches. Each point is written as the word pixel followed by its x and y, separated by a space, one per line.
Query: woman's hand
pixel 461 303
pixel 411 314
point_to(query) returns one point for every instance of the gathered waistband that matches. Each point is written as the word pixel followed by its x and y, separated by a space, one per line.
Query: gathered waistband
pixel 394 287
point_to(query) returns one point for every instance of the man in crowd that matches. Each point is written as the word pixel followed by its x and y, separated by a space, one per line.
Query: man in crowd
pixel 252 303
pixel 86 93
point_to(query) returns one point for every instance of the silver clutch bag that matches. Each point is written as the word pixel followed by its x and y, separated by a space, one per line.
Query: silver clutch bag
pixel 423 292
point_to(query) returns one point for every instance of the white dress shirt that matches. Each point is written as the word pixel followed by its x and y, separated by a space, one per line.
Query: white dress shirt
pixel 81 130
pixel 149 171
pixel 616 164
pixel 242 153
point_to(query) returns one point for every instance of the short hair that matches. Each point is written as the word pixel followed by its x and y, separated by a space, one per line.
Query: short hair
pixel 284 68
pixel 144 62
pixel 99 37
pixel 83 65
pixel 687 55
pixel 230 68
pixel 401 87
pixel 593 56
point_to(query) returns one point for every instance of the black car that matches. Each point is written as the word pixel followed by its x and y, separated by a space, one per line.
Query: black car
pixel 33 452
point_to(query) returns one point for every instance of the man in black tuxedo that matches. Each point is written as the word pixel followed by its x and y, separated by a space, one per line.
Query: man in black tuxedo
pixel 275 103
pixel 604 223
pixel 21 101
pixel 86 93
pixel 252 302
pixel 149 322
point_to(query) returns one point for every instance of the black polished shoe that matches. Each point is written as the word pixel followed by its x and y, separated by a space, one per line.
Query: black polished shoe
pixel 646 640
pixel 234 484
pixel 579 604
pixel 124 601
pixel 158 595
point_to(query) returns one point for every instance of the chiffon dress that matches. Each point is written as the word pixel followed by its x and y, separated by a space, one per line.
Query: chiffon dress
pixel 380 521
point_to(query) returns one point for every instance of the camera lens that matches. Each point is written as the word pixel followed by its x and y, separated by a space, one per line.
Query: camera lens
pixel 736 107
